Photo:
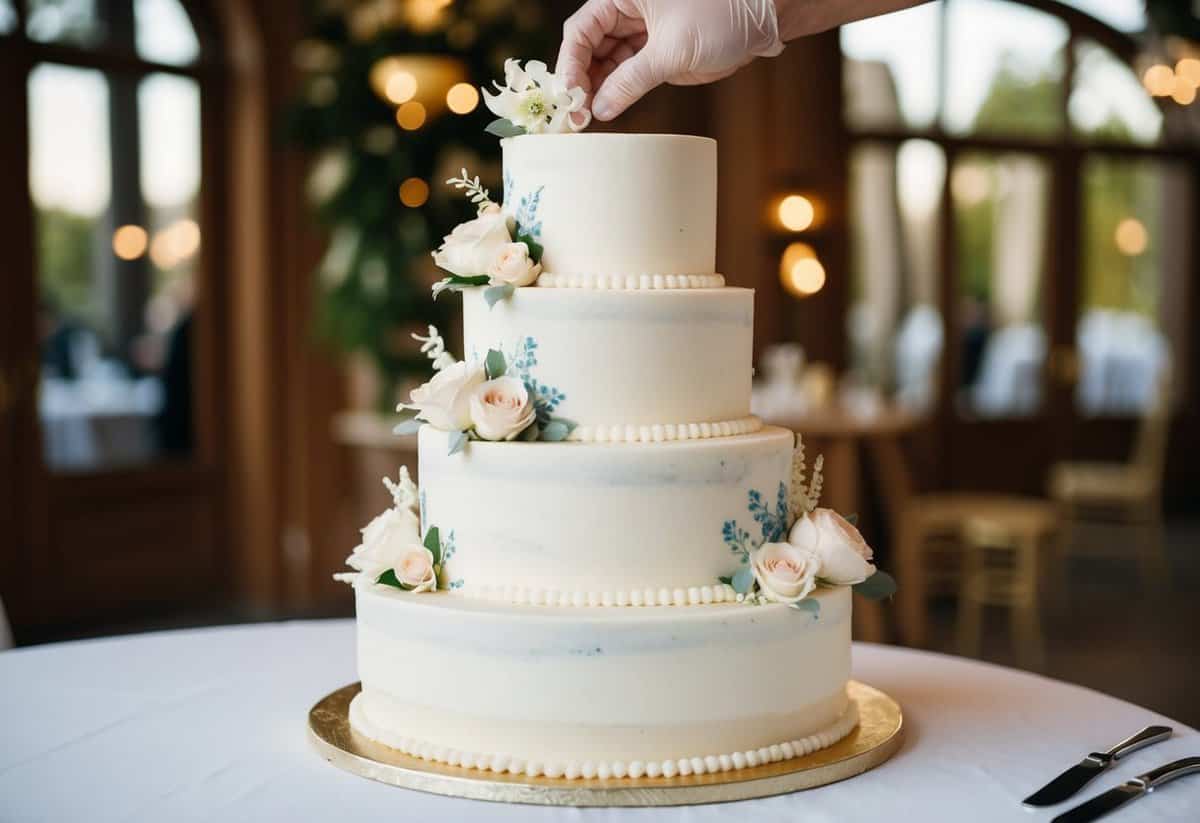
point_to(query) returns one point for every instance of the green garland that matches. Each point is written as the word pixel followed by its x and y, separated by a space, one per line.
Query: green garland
pixel 373 285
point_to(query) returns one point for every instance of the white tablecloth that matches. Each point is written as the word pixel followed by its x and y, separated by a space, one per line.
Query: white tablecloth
pixel 210 725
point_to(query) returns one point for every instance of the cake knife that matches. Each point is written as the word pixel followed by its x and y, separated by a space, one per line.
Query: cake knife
pixel 1076 777
pixel 1102 804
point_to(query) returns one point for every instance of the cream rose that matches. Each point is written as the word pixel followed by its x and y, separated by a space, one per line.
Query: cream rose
pixel 444 402
pixel 383 542
pixel 845 557
pixel 501 409
pixel 785 573
pixel 472 246
pixel 512 266
pixel 415 570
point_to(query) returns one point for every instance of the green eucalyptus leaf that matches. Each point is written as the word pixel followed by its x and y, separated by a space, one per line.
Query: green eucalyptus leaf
pixel 494 294
pixel 878 586
pixel 530 434
pixel 409 426
pixel 433 542
pixel 809 605
pixel 494 364
pixel 743 580
pixel 388 578
pixel 457 441
pixel 852 519
pixel 555 431
pixel 570 424
pixel 503 127
pixel 535 248
pixel 728 581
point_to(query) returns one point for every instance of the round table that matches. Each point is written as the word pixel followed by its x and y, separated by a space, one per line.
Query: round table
pixel 210 725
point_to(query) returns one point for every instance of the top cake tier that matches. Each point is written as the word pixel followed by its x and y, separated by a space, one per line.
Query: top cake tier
pixel 621 207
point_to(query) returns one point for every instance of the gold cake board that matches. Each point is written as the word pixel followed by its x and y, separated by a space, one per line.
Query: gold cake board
pixel 878 735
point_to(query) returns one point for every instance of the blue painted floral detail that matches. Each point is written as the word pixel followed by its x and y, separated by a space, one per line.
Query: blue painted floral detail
pixel 448 550
pixel 772 524
pixel 546 399
pixel 525 212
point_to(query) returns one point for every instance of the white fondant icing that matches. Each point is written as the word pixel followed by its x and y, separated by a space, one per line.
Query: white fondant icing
pixel 630 281
pixel 564 523
pixel 569 692
pixel 618 204
pixel 673 358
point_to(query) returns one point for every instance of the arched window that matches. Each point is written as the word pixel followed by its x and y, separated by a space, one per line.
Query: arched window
pixel 1021 209
pixel 115 156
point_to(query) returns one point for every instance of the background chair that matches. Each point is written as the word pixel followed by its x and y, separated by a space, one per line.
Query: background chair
pixel 1128 494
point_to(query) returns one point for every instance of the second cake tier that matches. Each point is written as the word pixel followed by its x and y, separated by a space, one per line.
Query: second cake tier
pixel 626 365
pixel 619 524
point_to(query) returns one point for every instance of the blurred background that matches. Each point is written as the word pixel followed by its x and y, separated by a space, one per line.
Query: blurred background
pixel 972 227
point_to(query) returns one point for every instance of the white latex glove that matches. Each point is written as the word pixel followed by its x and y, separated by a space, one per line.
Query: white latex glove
pixel 617 50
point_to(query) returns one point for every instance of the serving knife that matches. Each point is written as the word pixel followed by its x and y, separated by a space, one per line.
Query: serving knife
pixel 1076 777
pixel 1102 804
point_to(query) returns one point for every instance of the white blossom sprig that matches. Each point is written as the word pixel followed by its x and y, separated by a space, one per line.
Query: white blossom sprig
pixel 404 493
pixel 805 492
pixel 434 347
pixel 476 193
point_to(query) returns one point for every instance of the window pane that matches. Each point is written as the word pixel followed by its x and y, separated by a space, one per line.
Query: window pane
pixel 1122 15
pixel 1006 66
pixel 164 32
pixel 8 16
pixel 894 326
pixel 117 242
pixel 1108 101
pixel 1000 207
pixel 1137 234
pixel 891 69
pixel 65 21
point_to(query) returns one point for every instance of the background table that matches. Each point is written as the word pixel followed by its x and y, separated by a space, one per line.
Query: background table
pixel 210 725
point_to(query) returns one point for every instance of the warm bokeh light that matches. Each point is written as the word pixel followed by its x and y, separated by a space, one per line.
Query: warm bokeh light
pixel 174 244
pixel 462 98
pixel 1159 80
pixel 1131 237
pixel 971 184
pixel 400 87
pixel 411 115
pixel 796 212
pixel 414 192
pixel 129 242
pixel 1188 69
pixel 800 271
pixel 1184 92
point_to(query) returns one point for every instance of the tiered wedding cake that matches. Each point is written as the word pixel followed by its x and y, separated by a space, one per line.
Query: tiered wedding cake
pixel 648 589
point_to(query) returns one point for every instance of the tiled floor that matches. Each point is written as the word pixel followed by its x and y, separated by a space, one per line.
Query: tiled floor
pixel 1103 628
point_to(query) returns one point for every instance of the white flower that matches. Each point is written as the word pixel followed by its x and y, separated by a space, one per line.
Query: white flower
pixel 845 557
pixel 785 573
pixel 513 266
pixel 501 409
pixel 384 541
pixel 472 246
pixel 444 402
pixel 537 100
pixel 415 570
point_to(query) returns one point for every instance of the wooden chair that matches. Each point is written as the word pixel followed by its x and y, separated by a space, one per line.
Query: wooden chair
pixel 923 523
pixel 1128 494
pixel 1001 567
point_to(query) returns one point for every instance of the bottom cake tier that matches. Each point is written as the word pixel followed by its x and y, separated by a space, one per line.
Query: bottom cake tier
pixel 567 692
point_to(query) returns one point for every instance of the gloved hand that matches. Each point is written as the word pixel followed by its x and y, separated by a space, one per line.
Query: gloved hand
pixel 617 50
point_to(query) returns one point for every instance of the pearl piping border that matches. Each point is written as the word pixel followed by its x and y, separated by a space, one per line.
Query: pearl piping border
pixel 526 595
pixel 663 432
pixel 639 282
pixel 587 769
